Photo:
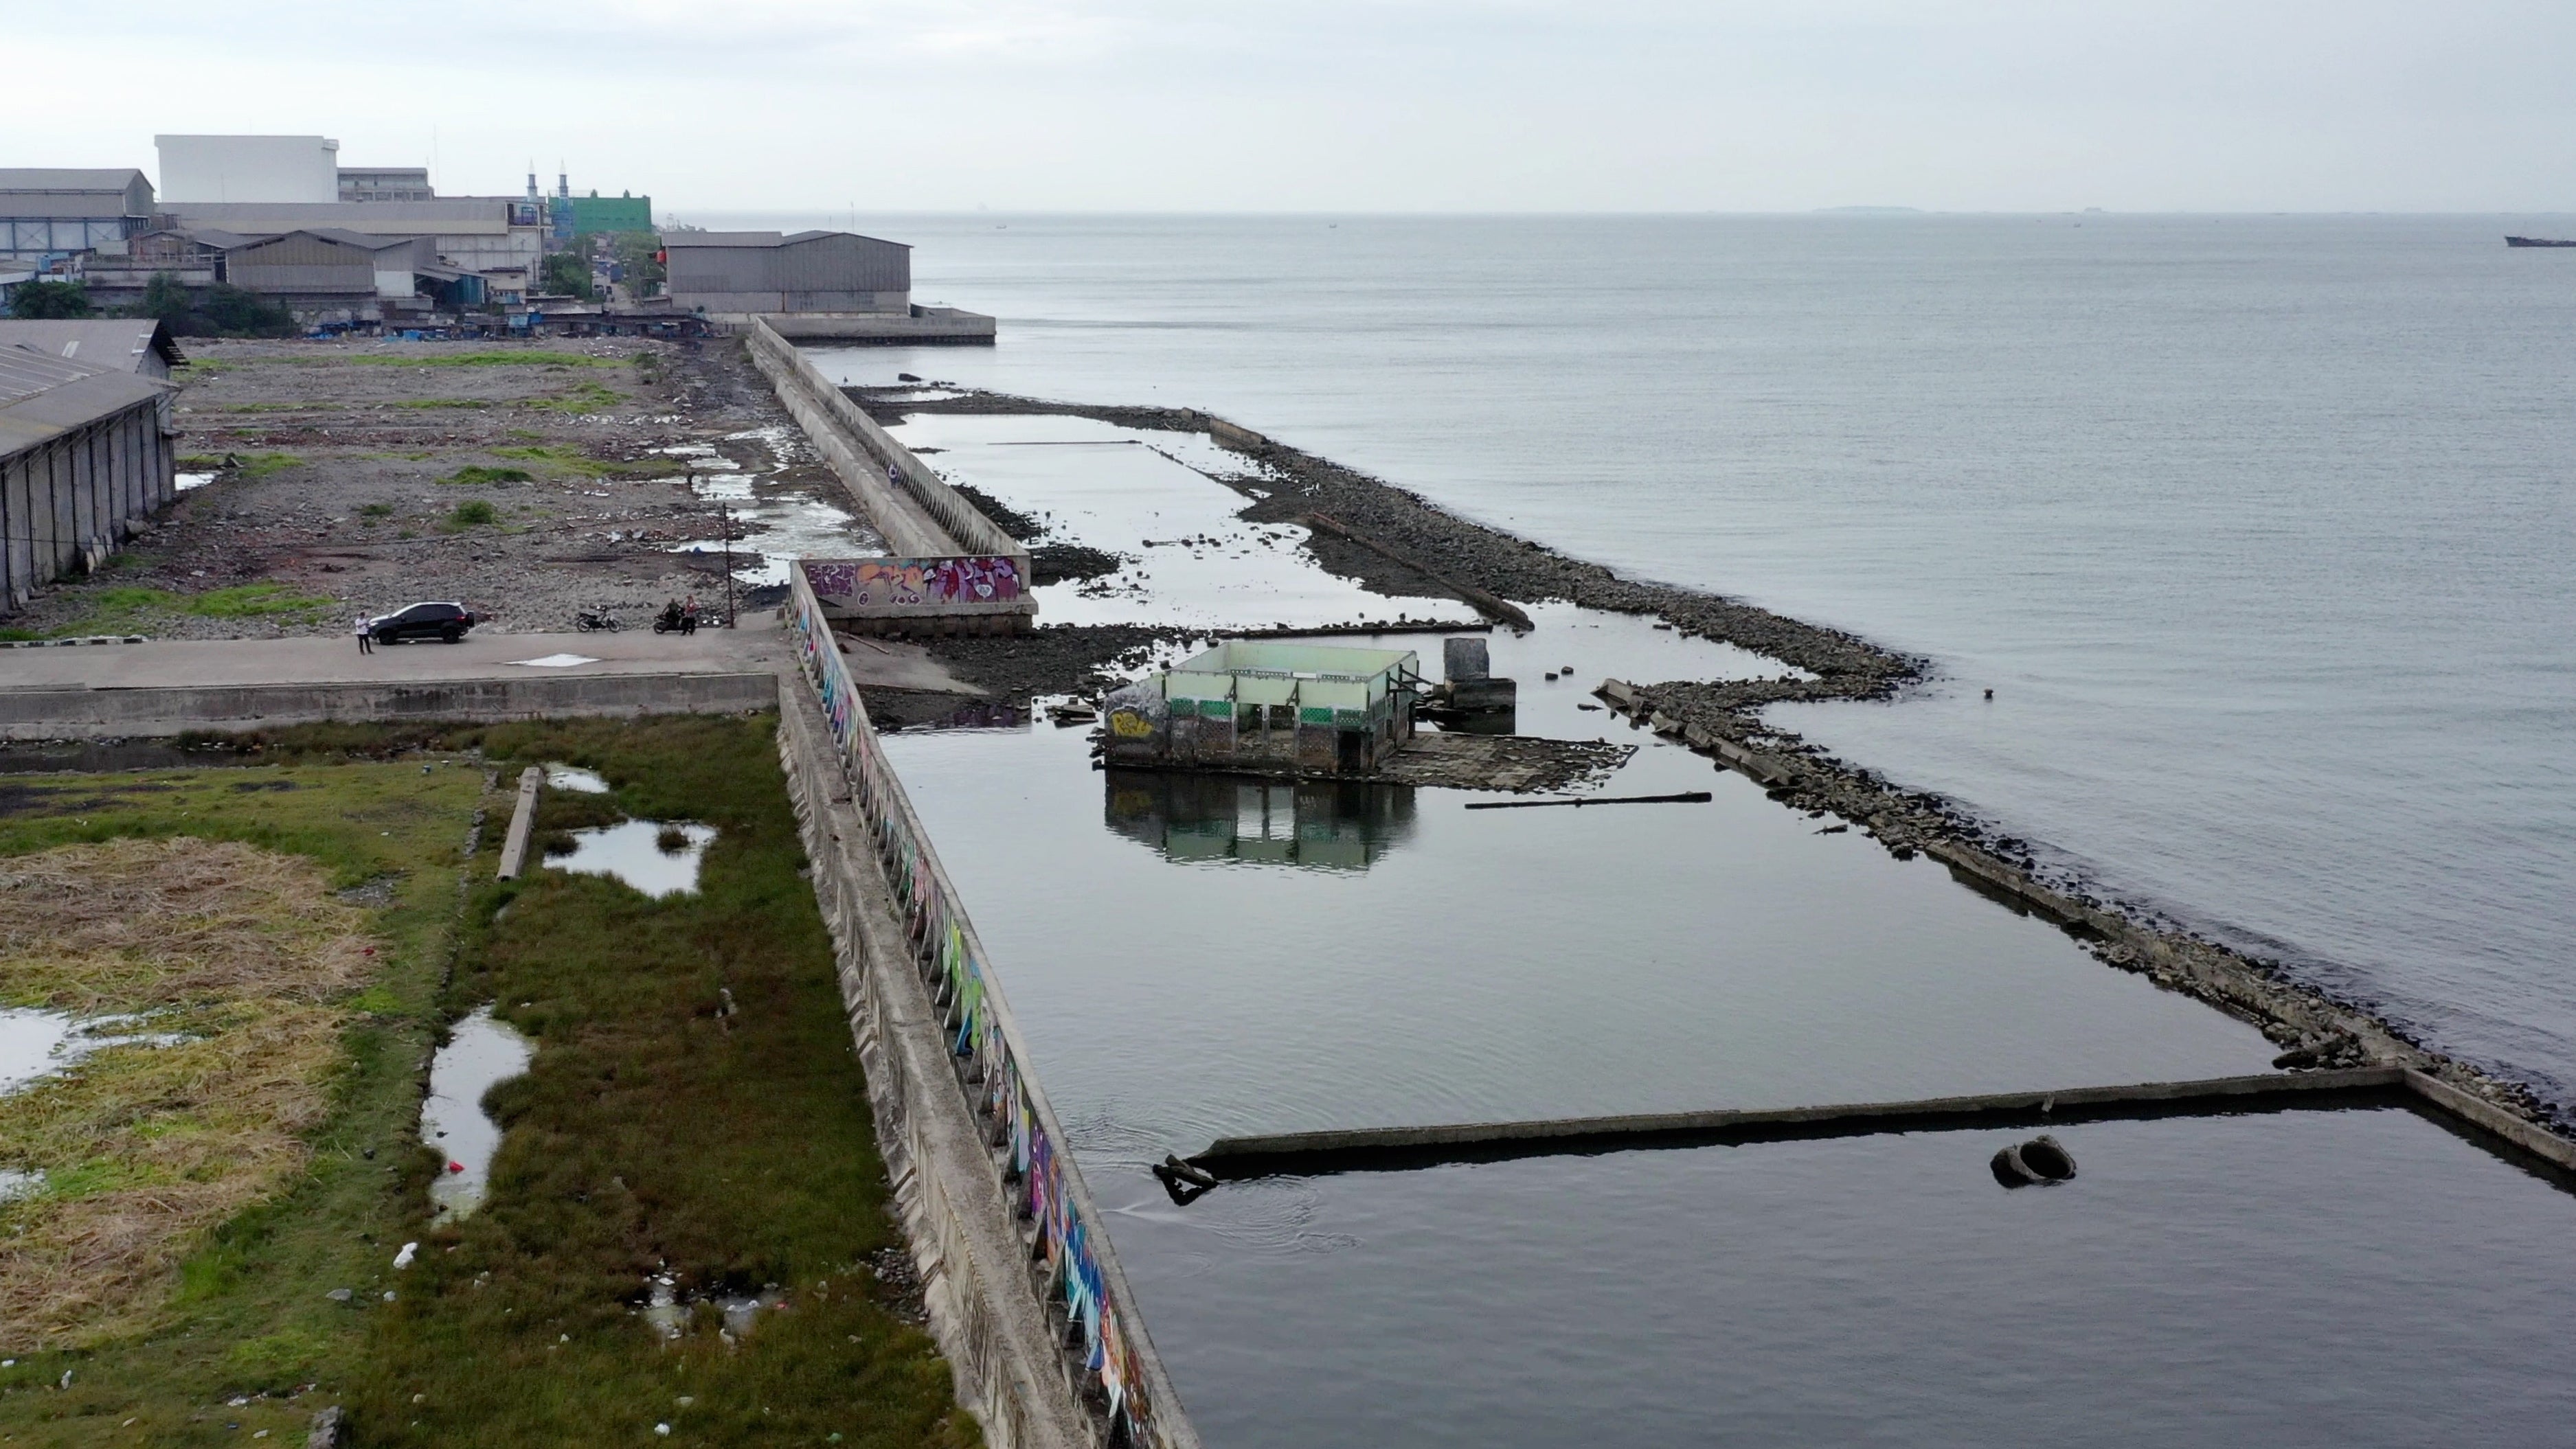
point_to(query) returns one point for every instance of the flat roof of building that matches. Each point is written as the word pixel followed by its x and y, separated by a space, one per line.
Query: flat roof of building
pixel 763 238
pixel 102 342
pixel 1315 661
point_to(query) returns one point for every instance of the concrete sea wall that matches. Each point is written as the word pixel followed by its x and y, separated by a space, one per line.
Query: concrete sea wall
pixel 1028 1301
pixel 927 517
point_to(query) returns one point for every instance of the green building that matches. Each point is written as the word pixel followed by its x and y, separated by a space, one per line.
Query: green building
pixel 596 213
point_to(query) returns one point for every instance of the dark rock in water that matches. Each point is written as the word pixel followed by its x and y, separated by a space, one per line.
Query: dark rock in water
pixel 2043 1159
pixel 2048 1157
pixel 1053 563
pixel 905 377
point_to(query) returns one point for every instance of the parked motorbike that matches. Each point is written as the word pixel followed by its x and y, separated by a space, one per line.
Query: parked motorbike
pixel 591 621
pixel 675 620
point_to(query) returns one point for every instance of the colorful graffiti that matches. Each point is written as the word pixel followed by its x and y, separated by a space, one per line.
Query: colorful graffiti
pixel 876 583
pixel 1042 1178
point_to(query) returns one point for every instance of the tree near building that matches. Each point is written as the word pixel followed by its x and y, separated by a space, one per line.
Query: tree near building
pixel 565 273
pixel 48 301
pixel 639 254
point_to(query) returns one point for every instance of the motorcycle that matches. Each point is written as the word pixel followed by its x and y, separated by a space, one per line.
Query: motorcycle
pixel 591 621
pixel 675 620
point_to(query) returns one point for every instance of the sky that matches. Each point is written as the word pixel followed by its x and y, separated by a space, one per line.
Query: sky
pixel 1334 105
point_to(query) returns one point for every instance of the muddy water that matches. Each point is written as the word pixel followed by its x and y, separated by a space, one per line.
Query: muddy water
pixel 480 1054
pixel 777 521
pixel 35 1043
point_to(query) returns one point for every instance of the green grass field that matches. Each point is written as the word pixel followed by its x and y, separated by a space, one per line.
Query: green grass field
pixel 654 1133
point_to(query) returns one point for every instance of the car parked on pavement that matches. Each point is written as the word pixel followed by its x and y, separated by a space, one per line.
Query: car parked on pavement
pixel 447 621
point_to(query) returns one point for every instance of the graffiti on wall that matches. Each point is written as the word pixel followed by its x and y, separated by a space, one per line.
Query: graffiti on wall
pixel 1070 1247
pixel 877 583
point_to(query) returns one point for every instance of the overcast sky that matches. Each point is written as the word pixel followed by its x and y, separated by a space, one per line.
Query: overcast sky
pixel 1398 105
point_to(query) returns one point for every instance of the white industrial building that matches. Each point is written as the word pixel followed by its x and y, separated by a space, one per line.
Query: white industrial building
pixel 249 168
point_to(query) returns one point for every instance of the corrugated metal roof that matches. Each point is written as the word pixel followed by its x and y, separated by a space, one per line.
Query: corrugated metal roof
pixel 67 178
pixel 111 343
pixel 43 397
pixel 761 238
pixel 720 238
pixel 25 372
pixel 456 216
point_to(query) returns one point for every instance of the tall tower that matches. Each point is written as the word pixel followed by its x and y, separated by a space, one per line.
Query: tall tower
pixel 533 193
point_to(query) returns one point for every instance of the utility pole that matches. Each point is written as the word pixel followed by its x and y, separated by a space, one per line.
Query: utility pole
pixel 724 511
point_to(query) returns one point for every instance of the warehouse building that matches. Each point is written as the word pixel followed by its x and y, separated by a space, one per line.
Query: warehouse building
pixel 754 272
pixel 499 240
pixel 86 450
pixel 50 212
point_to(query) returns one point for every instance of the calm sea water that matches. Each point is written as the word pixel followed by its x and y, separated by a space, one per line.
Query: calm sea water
pixel 2259 527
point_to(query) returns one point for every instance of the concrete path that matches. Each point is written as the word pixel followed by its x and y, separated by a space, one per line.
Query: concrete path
pixel 185 664
pixel 758 644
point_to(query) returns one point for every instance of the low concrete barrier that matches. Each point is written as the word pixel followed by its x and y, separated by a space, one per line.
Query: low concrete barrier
pixel 964 1236
pixel 523 819
pixel 852 440
pixel 921 326
pixel 957 1089
pixel 1308 1152
pixel 37 714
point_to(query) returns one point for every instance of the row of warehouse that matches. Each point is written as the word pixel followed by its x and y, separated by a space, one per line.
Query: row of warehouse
pixel 279 216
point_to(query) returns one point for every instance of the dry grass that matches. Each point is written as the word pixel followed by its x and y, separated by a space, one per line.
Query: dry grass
pixel 244 952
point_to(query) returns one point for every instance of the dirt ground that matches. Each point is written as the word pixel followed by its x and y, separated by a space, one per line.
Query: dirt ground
pixel 349 463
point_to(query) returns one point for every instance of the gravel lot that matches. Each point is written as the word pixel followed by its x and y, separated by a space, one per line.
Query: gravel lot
pixel 350 461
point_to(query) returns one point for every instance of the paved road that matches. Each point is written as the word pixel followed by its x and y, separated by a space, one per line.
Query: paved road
pixel 758 644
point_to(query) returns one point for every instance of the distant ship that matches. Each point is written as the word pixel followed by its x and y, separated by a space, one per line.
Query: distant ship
pixel 2536 241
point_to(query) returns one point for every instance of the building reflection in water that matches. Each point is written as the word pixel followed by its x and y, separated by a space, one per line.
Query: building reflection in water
pixel 1321 824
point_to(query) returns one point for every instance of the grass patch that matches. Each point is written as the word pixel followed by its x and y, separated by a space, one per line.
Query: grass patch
pixel 261 465
pixel 653 1134
pixel 444 402
pixel 244 1311
pixel 241 955
pixel 484 359
pixel 373 511
pixel 198 462
pixel 588 397
pixel 473 513
pixel 478 474
pixel 118 608
pixel 268 407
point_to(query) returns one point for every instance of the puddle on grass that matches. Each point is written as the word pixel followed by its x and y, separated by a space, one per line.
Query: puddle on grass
pixel 15 1184
pixel 669 1311
pixel 575 779
pixel 481 1053
pixel 658 857
pixel 35 1043
pixel 778 523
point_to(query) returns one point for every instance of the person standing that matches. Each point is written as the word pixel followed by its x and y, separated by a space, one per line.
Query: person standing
pixel 366 640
